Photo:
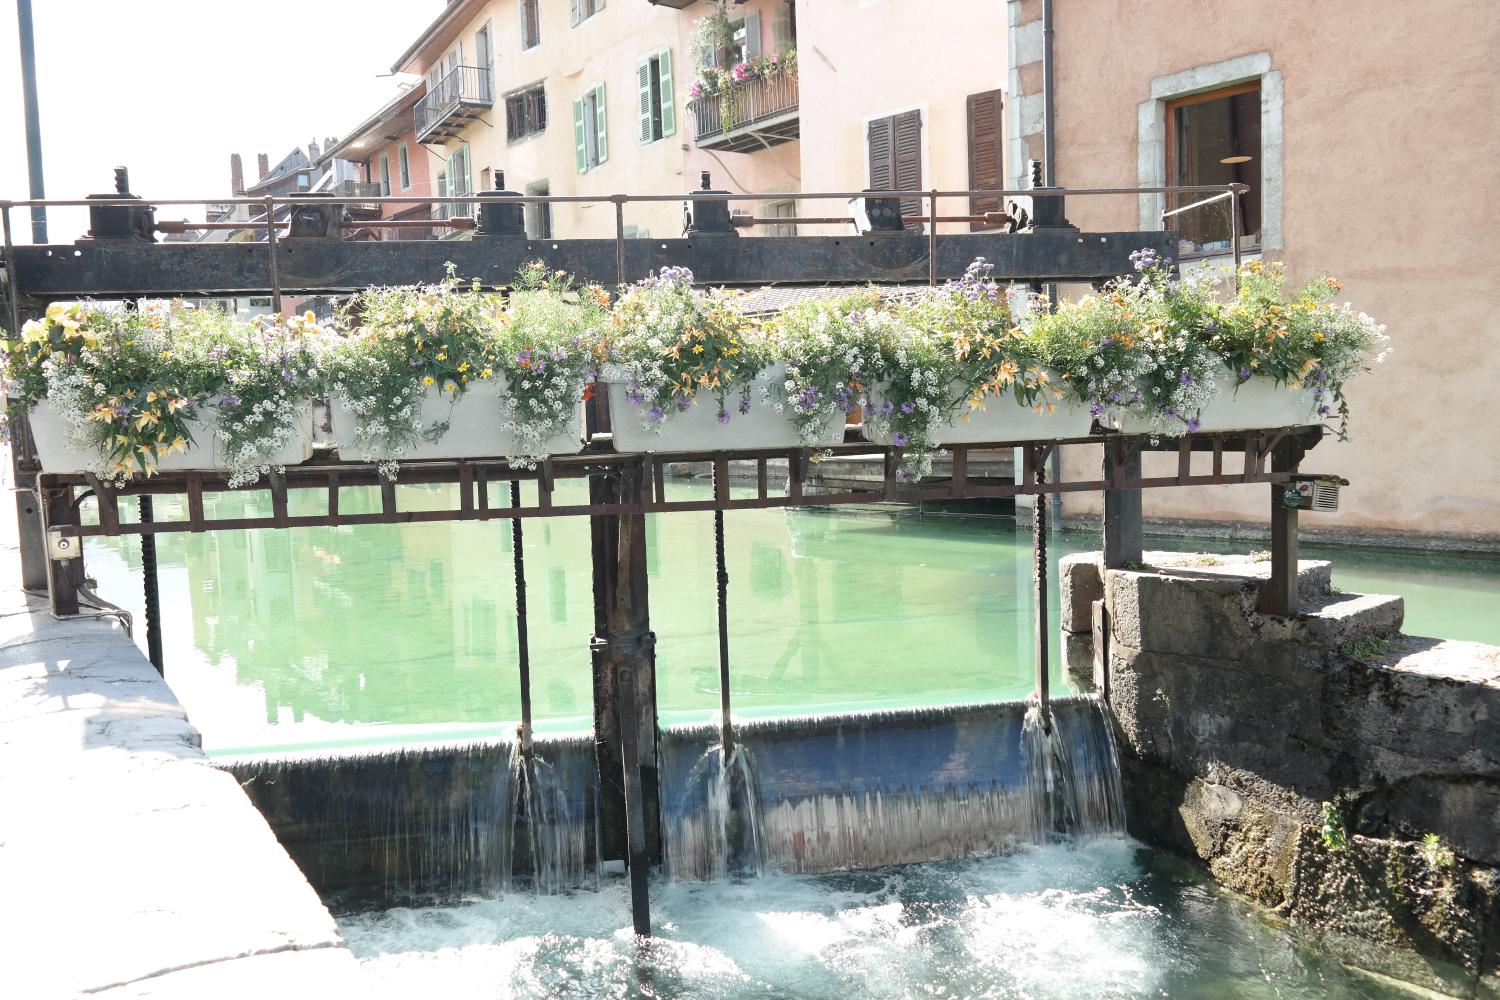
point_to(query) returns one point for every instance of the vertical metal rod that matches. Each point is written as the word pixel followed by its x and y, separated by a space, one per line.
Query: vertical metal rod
pixel 726 731
pixel 523 649
pixel 619 201
pixel 153 593
pixel 34 177
pixel 1039 588
pixel 1280 595
pixel 1049 123
pixel 932 215
pixel 271 248
pixel 1234 232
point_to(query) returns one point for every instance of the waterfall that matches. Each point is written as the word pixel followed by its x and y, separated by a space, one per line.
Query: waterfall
pixel 433 823
pixel 871 789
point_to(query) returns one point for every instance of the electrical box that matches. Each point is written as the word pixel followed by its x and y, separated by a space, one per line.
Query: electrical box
pixel 1313 492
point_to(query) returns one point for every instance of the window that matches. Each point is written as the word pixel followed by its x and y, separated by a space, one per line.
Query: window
pixel 895 148
pixel 459 184
pixel 582 10
pixel 525 113
pixel 302 180
pixel 746 43
pixel 986 159
pixel 385 175
pixel 784 26
pixel 657 115
pixel 404 164
pixel 484 55
pixel 1214 138
pixel 531 24
pixel 780 210
pixel 589 133
pixel 539 213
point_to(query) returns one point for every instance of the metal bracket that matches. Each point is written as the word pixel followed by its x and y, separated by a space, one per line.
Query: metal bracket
pixel 61 547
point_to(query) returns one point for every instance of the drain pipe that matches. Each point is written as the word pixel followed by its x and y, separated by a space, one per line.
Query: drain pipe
pixel 1049 178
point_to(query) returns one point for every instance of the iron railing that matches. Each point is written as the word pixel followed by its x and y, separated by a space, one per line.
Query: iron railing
pixel 745 104
pixel 463 86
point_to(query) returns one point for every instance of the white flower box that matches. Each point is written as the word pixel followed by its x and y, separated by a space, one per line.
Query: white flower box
pixel 476 426
pixel 1256 404
pixel 698 429
pixel 1002 420
pixel 58 450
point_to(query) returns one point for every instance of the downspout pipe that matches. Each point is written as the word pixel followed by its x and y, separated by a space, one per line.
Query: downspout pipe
pixel 1049 178
pixel 33 121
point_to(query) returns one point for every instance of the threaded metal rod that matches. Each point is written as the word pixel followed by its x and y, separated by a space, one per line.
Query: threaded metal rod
pixel 1039 587
pixel 523 651
pixel 726 733
pixel 153 594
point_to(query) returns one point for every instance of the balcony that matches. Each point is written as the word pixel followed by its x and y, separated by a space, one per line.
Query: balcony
pixel 453 104
pixel 747 116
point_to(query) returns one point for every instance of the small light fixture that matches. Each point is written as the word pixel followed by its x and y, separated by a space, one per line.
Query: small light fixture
pixel 1229 160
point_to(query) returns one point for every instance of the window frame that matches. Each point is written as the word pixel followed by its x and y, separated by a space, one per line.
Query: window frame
pixel 1170 107
pixel 533 22
pixel 592 151
pixel 534 117
pixel 403 166
pixel 385 175
pixel 661 90
pixel 581 10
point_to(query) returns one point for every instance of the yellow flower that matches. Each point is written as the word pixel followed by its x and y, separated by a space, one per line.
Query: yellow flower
pixel 450 386
pixel 309 317
pixel 56 310
pixel 427 380
pixel 487 373
pixel 442 357
pixel 145 419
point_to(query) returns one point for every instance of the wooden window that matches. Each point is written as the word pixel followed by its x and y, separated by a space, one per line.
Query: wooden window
pixel 582 10
pixel 1214 138
pixel 403 163
pixel 531 24
pixel 484 54
pixel 986 159
pixel 895 148
pixel 656 113
pixel 784 26
pixel 590 135
pixel 526 113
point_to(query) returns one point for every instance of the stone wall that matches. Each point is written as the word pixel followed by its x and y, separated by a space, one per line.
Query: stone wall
pixel 1333 770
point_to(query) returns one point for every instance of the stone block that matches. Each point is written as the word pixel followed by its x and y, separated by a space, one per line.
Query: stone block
pixel 1080 581
pixel 1336 619
pixel 1078 661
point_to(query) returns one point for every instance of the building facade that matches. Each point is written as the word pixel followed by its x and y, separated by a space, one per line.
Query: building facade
pixel 388 162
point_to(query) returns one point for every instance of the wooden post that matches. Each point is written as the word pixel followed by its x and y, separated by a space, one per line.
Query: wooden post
pixel 625 689
pixel 64 575
pixel 1122 507
pixel 32 538
pixel 1279 596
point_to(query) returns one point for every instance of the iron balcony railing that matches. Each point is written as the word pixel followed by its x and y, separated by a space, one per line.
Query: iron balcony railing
pixel 744 106
pixel 451 102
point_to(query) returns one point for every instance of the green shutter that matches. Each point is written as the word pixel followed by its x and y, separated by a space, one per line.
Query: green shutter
pixel 578 144
pixel 600 115
pixel 643 110
pixel 668 110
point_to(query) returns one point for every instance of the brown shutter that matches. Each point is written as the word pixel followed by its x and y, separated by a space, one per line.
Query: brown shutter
pixel 882 163
pixel 907 158
pixel 986 161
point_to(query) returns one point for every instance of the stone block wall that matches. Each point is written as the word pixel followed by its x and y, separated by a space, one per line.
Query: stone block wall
pixel 1328 767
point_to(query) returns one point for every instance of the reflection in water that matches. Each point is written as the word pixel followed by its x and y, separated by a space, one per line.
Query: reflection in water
pixel 284 638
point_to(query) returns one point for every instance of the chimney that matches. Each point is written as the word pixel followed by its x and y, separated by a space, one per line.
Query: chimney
pixel 264 163
pixel 313 150
pixel 236 175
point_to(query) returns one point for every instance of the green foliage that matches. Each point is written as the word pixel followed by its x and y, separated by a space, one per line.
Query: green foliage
pixel 1335 834
pixel 1366 649
pixel 1435 854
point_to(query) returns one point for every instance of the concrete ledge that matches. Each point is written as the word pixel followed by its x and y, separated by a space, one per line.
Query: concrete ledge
pixel 131 867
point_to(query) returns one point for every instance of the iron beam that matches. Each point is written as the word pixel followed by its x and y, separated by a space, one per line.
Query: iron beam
pixel 1122 506
pixel 1279 596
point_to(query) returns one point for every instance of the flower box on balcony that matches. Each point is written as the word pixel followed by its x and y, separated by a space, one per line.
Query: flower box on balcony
pixel 700 427
pixel 1002 420
pixel 1255 404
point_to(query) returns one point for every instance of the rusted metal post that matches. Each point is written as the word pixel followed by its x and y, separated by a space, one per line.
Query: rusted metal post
pixel 523 648
pixel 1039 583
pixel 65 554
pixel 726 730
pixel 625 688
pixel 1279 597
pixel 1122 507
pixel 153 591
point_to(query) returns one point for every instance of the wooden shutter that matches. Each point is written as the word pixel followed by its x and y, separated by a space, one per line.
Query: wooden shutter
pixel 906 146
pixel 986 157
pixel 882 164
pixel 599 117
pixel 575 11
pixel 668 109
pixel 783 34
pixel 752 35
pixel 579 146
pixel 643 107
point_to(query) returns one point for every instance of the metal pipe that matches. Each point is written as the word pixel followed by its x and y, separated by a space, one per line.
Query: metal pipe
pixel 12 295
pixel 1234 233
pixel 271 249
pixel 523 649
pixel 153 592
pixel 1198 204
pixel 596 198
pixel 35 182
pixel 932 212
pixel 1049 116
pixel 619 201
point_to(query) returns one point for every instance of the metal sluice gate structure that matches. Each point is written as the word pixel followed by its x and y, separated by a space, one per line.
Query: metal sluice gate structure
pixel 120 259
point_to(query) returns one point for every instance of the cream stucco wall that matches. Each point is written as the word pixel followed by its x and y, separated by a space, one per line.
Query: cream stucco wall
pixel 1391 143
pixel 570 60
pixel 861 59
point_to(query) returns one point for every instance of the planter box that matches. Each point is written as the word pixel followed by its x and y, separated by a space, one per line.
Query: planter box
pixel 1001 421
pixel 475 426
pixel 698 429
pixel 206 453
pixel 1240 406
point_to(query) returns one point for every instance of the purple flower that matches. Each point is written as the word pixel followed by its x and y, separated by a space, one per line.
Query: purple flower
pixel 1193 425
pixel 635 397
pixel 1323 410
pixel 218 353
pixel 523 355
pixel 808 397
pixel 123 411
pixel 1244 374
pixel 901 475
pixel 899 439
pixel 1185 379
pixel 744 404
pixel 1097 409
pixel 1144 259
pixel 228 399
pixel 656 415
pixel 886 408
pixel 1107 342
pixel 908 407
pixel 723 416
pixel 684 404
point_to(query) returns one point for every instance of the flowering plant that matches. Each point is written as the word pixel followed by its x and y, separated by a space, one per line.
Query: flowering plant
pixel 545 350
pixel 1301 339
pixel 409 342
pixel 829 352
pixel 1137 346
pixel 669 342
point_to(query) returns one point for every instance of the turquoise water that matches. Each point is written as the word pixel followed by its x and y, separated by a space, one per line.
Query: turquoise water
pixel 1110 919
pixel 326 637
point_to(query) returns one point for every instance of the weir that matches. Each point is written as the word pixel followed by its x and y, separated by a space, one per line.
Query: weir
pixel 803 795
